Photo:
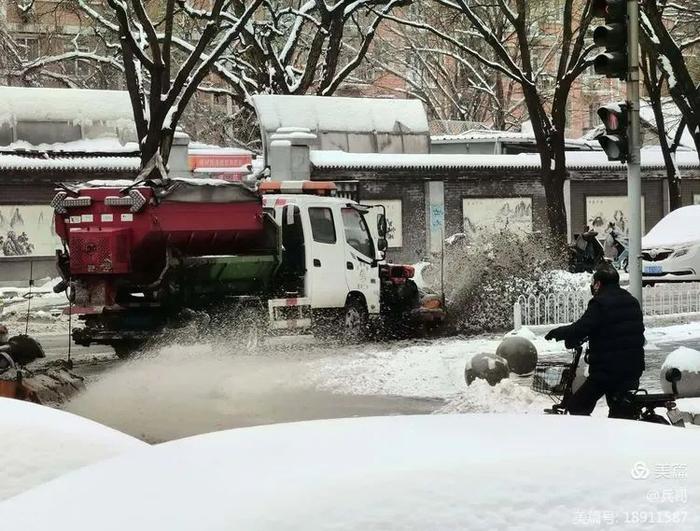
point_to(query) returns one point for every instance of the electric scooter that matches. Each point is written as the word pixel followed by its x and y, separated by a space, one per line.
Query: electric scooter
pixel 556 379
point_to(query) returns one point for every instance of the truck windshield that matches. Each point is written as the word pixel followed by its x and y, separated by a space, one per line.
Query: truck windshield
pixel 356 232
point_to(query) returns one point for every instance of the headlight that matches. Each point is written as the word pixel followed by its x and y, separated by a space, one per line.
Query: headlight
pixel 431 302
pixel 681 252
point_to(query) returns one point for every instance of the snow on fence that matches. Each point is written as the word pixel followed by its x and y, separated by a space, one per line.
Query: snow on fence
pixel 565 307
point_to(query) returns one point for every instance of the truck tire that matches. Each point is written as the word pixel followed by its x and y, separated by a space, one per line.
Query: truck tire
pixel 124 349
pixel 251 334
pixel 355 322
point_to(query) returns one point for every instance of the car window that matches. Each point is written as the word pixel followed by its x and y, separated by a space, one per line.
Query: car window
pixel 322 226
pixel 356 231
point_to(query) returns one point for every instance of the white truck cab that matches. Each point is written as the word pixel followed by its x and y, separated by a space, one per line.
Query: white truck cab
pixel 331 246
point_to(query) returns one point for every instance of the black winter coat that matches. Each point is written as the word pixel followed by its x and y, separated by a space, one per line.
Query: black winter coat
pixel 614 327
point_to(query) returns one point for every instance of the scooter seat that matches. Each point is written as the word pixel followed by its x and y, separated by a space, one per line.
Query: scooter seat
pixel 645 399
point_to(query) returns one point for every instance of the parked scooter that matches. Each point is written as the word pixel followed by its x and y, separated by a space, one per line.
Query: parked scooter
pixel 586 252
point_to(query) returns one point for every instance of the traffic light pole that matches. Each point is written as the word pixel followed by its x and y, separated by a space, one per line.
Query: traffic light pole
pixel 634 175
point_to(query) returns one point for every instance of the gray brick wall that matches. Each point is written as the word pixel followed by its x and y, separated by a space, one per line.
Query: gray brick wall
pixel 689 188
pixel 412 196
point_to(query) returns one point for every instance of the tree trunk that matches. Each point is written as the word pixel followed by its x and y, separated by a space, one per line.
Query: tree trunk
pixel 674 187
pixel 553 179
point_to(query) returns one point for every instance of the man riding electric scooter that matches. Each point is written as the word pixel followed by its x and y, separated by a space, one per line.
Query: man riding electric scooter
pixel 614 327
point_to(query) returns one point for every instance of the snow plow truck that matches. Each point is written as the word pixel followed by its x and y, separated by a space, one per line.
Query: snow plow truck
pixel 279 258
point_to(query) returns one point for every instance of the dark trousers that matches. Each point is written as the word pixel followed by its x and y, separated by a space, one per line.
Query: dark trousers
pixel 583 401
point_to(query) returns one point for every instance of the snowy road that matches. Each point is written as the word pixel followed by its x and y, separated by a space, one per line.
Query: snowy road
pixel 178 390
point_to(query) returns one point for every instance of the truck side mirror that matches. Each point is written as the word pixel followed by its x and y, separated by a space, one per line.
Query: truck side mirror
pixel 382 245
pixel 382 226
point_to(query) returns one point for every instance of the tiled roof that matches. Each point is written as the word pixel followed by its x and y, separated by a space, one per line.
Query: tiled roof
pixel 69 162
pixel 651 158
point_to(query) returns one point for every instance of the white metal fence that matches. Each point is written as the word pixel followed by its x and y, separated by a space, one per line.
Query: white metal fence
pixel 565 307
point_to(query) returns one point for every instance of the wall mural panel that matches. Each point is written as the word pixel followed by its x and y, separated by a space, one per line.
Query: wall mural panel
pixel 27 230
pixel 601 210
pixel 496 214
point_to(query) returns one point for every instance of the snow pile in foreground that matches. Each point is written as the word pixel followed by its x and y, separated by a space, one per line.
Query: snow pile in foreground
pixel 476 472
pixel 40 443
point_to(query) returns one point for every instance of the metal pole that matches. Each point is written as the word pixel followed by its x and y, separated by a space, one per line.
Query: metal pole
pixel 634 175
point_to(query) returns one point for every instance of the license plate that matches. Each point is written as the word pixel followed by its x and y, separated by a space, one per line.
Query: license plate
pixel 653 270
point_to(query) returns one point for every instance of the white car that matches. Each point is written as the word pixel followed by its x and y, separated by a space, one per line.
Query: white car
pixel 671 250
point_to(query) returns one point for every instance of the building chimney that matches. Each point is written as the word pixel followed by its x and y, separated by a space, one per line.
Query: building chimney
pixel 290 154
pixel 178 162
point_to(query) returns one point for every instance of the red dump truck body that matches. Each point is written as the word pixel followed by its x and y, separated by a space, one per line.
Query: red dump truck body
pixel 123 240
pixel 109 232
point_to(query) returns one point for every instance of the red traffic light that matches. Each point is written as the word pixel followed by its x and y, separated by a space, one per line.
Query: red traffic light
pixel 614 140
pixel 614 117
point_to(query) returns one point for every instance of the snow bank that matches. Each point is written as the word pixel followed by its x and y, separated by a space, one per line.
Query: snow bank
pixel 476 472
pixel 40 443
pixel 684 359
pixel 673 333
pixel 430 370
pixel 678 227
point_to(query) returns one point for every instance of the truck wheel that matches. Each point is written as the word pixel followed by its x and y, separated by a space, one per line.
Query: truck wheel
pixel 355 320
pixel 251 328
pixel 124 349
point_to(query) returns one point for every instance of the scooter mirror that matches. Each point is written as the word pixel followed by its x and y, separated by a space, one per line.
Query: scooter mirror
pixel 673 375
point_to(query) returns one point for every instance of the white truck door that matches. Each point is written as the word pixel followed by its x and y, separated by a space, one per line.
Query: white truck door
pixel 326 282
pixel 362 271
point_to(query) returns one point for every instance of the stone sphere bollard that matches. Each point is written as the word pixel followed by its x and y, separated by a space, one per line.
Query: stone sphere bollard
pixel 489 367
pixel 520 354
pixel 687 361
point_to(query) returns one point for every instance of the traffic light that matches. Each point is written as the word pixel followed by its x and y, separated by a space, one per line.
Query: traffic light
pixel 614 141
pixel 613 36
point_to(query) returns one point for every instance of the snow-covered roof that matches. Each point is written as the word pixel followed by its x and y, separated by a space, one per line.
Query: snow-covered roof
pixel 88 145
pixel 351 124
pixel 651 158
pixel 19 104
pixel 199 148
pixel 397 472
pixel 490 135
pixel 12 161
pixel 354 115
